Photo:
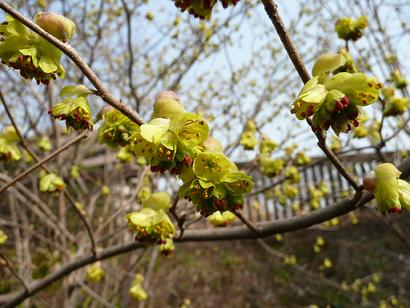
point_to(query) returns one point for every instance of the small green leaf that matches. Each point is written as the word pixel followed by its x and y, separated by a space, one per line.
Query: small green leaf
pixel 78 90
pixel 327 63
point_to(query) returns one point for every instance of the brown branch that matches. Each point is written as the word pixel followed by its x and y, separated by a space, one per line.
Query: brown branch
pixel 44 160
pixel 272 10
pixel 247 223
pixel 70 52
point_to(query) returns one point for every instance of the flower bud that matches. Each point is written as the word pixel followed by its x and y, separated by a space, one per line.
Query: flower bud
pixel 57 25
pixel 157 201
pixel 167 105
pixel 3 237
pixel 51 183
pixel 212 145
pixel 95 273
pixel 391 193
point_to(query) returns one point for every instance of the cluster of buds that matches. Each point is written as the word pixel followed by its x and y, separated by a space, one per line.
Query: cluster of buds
pixel 116 128
pixel 215 184
pixel 221 219
pixel 150 226
pixel 136 291
pixel 267 145
pixel 396 106
pixel 398 79
pixel 201 9
pixel 351 29
pixel 248 139
pixel 301 159
pixel 51 182
pixel 95 272
pixel 270 166
pixel 316 194
pixel 74 108
pixel 392 194
pixel 334 100
pixel 289 190
pixel 33 56
pixel 8 145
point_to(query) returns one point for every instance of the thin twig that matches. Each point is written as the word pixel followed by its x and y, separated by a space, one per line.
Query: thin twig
pixel 15 274
pixel 44 160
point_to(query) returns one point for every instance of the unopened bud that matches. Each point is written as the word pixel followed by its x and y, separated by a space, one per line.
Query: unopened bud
pixel 57 25
pixel 167 105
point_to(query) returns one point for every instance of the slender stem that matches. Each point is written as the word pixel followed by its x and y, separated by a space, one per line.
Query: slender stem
pixel 15 274
pixel 44 160
pixel 272 10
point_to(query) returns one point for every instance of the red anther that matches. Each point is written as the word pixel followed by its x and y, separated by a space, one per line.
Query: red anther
pixel 353 116
pixel 310 110
pixel 345 101
pixel 303 114
pixel 356 123
pixel 187 160
pixel 327 125
pixel 395 210
pixel 349 127
pixel 339 106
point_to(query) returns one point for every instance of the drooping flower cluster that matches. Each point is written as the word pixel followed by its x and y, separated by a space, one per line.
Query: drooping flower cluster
pixel 95 272
pixel 334 100
pixel 8 145
pixel 33 56
pixel 248 139
pixel 171 144
pixel 150 226
pixel 351 29
pixel 74 108
pixel 400 82
pixel 116 128
pixel 136 291
pixel 394 105
pixel 216 184
pixel 392 194
pixel 51 182
pixel 201 8
pixel 178 141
